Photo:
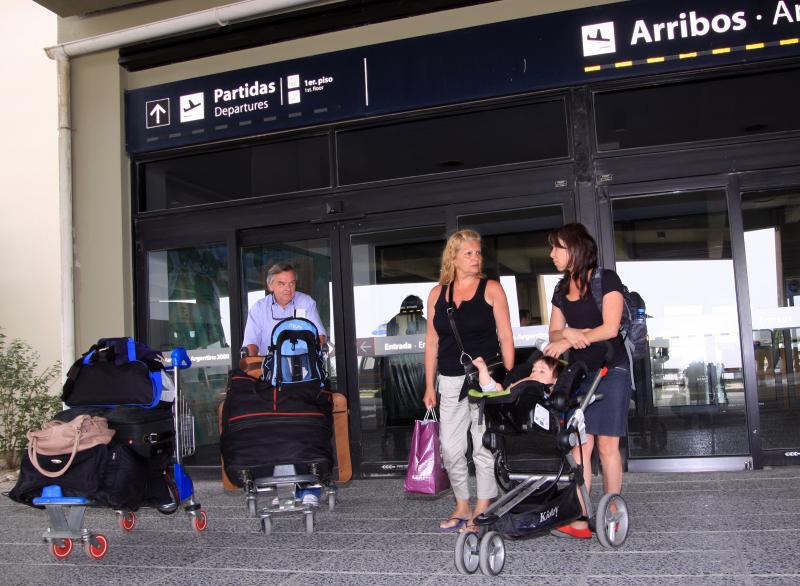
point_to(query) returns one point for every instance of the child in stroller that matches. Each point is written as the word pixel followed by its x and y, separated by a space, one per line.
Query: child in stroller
pixel 533 504
pixel 539 368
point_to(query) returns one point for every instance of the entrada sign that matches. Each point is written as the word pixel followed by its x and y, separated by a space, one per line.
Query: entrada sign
pixel 556 50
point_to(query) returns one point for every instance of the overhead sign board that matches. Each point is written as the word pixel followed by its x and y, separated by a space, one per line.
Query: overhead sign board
pixel 557 50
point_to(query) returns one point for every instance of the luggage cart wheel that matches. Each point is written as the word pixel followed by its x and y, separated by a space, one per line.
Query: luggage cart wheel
pixel 492 555
pixel 266 525
pixel 199 521
pixel 61 548
pixel 96 547
pixel 309 521
pixel 612 520
pixel 126 521
pixel 331 501
pixel 466 557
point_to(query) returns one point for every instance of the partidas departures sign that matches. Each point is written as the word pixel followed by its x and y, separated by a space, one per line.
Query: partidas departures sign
pixel 563 49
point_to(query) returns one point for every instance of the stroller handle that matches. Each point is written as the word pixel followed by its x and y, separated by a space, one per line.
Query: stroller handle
pixel 587 398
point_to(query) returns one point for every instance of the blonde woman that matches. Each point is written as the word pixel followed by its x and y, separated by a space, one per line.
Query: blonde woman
pixel 482 319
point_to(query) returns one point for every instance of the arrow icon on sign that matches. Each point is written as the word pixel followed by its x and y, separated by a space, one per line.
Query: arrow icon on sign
pixel 157 111
pixel 366 346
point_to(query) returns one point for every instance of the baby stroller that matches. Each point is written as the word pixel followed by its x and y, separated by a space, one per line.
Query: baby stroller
pixel 533 504
pixel 276 429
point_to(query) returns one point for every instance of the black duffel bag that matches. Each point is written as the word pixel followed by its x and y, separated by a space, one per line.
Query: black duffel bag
pixel 83 478
pixel 115 371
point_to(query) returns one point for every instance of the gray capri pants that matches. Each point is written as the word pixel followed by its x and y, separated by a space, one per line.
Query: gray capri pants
pixel 456 418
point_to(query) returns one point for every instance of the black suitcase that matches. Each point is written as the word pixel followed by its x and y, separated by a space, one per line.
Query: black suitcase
pixel 263 426
pixel 148 432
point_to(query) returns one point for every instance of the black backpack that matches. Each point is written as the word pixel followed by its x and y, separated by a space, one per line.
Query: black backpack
pixel 632 325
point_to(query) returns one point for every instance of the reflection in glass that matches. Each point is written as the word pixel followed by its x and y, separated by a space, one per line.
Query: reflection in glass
pixel 772 245
pixel 393 273
pixel 674 250
pixel 312 261
pixel 189 307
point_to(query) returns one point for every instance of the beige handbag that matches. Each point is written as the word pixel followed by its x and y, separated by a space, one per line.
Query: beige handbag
pixel 59 437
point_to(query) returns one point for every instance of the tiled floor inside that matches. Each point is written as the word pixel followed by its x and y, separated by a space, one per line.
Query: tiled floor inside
pixel 701 528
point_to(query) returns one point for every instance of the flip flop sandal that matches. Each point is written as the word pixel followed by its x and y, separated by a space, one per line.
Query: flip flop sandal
pixel 460 522
pixel 469 528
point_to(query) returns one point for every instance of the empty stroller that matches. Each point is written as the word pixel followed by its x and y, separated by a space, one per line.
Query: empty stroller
pixel 536 503
pixel 276 429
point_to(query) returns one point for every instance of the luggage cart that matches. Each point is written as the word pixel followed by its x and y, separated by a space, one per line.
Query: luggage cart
pixel 178 480
pixel 281 492
pixel 66 514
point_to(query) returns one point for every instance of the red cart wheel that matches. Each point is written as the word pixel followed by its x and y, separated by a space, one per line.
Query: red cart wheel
pixel 61 548
pixel 200 521
pixel 96 551
pixel 126 521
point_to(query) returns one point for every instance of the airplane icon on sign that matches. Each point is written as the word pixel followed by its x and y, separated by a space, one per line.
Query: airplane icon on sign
pixel 192 106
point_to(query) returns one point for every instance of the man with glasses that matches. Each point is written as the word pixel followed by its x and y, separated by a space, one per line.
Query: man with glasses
pixel 284 300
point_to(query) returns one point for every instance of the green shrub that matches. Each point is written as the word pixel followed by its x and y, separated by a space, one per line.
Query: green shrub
pixel 25 398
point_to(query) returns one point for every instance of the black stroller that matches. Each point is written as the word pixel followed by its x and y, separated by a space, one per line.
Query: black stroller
pixel 532 504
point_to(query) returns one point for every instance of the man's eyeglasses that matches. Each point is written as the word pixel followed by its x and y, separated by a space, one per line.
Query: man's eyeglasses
pixel 278 317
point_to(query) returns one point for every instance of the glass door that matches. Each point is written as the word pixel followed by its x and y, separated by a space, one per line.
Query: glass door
pixel 307 248
pixel 674 249
pixel 771 222
pixel 516 253
pixel 188 298
pixel 392 271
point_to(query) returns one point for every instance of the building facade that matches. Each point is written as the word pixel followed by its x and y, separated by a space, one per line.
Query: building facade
pixel 669 128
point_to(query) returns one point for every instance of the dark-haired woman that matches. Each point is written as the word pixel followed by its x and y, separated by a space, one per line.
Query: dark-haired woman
pixel 576 324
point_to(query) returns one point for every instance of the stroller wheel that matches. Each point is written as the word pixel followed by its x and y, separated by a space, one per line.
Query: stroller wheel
pixel 466 555
pixel 331 501
pixel 266 525
pixel 612 520
pixel 492 554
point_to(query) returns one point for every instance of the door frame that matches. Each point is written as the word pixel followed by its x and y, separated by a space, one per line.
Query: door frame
pixel 739 184
pixel 728 184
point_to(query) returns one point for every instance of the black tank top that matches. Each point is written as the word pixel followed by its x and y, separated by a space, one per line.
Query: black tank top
pixel 475 322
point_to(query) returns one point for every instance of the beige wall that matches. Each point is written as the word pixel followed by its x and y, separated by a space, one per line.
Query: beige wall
pixel 101 202
pixel 103 283
pixel 30 288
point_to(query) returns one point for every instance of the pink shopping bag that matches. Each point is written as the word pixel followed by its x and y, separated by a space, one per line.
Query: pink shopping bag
pixel 426 473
